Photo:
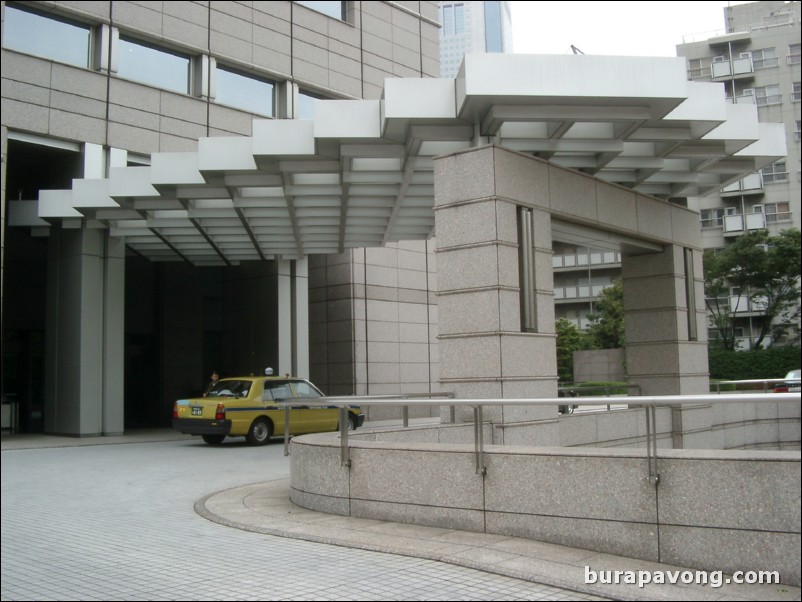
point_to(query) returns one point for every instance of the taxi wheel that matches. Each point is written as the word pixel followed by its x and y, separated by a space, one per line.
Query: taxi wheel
pixel 351 422
pixel 213 439
pixel 260 432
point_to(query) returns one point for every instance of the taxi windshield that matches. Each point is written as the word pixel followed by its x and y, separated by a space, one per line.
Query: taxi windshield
pixel 230 388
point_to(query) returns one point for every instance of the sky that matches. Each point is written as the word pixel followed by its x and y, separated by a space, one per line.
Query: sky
pixel 643 28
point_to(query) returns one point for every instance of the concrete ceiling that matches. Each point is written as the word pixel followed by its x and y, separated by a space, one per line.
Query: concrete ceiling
pixel 361 173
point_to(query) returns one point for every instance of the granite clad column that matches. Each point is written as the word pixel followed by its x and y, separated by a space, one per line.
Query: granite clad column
pixel 483 351
pixel 667 338
pixel 85 333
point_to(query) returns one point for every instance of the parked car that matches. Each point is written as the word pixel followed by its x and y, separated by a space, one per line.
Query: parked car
pixel 791 384
pixel 245 406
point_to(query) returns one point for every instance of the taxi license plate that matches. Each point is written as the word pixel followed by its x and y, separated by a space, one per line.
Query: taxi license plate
pixel 197 411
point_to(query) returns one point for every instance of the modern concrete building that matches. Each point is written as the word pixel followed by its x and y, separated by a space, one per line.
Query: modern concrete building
pixel 757 59
pixel 161 228
pixel 472 27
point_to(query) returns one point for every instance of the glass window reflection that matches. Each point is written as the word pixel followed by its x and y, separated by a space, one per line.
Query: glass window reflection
pixel 244 92
pixel 153 66
pixel 53 38
pixel 306 105
pixel 335 10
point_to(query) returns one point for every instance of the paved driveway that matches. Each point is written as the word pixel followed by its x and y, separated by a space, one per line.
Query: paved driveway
pixel 116 522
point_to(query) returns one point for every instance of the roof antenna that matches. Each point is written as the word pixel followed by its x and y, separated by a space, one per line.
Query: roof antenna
pixel 576 50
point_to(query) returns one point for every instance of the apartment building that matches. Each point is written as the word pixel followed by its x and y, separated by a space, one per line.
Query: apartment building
pixel 757 59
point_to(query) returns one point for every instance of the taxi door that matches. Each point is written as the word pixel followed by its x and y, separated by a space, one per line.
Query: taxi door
pixel 316 419
pixel 275 391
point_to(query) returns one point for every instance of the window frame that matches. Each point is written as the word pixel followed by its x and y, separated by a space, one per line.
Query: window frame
pixel 150 46
pixel 52 18
pixel 269 111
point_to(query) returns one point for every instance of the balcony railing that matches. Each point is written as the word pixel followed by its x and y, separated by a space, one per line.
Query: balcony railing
pixel 738 224
pixel 780 216
pixel 599 258
pixel 772 178
pixel 752 183
pixel 739 304
pixel 578 293
pixel 732 67
pixel 772 99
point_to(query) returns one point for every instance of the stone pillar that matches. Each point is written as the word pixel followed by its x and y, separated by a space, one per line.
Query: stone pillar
pixel 666 331
pixel 484 352
pixel 85 333
pixel 293 318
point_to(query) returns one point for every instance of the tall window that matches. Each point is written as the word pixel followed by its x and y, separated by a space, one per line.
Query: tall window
pixel 794 54
pixel 453 18
pixel 47 36
pixel 245 92
pixel 712 218
pixel 764 58
pixel 796 91
pixel 154 66
pixel 776 172
pixel 698 68
pixel 493 35
pixel 768 95
pixel 777 212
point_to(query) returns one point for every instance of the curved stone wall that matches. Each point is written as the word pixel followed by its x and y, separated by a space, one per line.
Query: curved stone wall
pixel 716 510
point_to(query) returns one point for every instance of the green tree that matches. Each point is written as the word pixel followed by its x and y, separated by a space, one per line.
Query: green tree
pixel 757 272
pixel 569 339
pixel 606 330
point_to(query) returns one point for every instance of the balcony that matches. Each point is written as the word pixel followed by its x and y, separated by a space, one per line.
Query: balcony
pixel 751 184
pixel 743 99
pixel 585 260
pixel 736 225
pixel 745 343
pixel 725 68
pixel 740 304
pixel 576 294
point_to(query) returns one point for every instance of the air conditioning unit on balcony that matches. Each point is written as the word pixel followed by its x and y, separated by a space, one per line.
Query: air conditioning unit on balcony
pixel 731 210
pixel 748 92
pixel 719 59
pixel 745 55
pixel 757 208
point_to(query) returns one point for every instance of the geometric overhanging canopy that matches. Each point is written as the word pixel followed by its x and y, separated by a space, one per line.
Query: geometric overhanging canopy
pixel 361 173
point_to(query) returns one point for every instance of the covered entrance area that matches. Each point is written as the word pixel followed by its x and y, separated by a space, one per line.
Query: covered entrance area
pixel 202 252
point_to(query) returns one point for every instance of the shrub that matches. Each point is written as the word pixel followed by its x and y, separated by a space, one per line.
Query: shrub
pixel 774 362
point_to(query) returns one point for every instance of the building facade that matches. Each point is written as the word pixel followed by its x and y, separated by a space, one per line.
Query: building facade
pixel 758 60
pixel 155 232
pixel 92 86
pixel 472 27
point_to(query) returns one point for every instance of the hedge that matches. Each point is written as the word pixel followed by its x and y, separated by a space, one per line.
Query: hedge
pixel 774 362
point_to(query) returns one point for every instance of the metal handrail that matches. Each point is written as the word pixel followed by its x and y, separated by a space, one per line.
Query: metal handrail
pixel 755 381
pixel 649 402
pixel 346 401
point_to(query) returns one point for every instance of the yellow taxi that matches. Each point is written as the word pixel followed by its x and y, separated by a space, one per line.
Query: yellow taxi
pixel 246 406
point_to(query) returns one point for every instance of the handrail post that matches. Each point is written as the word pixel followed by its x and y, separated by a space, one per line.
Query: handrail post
pixel 405 414
pixel 345 452
pixel 479 443
pixel 286 430
pixel 651 444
